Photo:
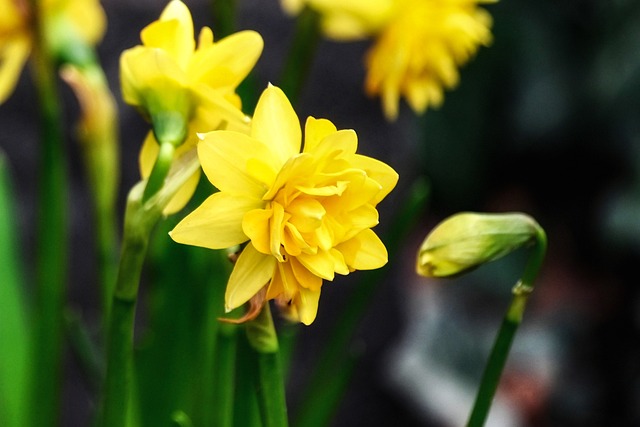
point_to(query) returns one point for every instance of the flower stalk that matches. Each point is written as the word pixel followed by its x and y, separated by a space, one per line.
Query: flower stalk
pixel 301 54
pixel 513 317
pixel 98 137
pixel 52 231
pixel 263 340
pixel 140 218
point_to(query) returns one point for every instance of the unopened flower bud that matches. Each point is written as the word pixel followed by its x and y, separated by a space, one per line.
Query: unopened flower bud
pixel 466 240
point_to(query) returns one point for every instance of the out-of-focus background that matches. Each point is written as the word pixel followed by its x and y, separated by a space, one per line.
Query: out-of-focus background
pixel 545 121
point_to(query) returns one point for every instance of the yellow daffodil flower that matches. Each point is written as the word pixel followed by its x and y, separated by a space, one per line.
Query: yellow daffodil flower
pixel 170 81
pixel 418 47
pixel 183 89
pixel 62 21
pixel 305 215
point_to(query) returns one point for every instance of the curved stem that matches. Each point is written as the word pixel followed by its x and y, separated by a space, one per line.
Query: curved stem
pixel 504 339
pixel 160 170
pixel 117 391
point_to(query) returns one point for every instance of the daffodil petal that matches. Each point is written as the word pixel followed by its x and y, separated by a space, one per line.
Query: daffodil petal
pixel 13 55
pixel 252 272
pixel 148 155
pixel 379 171
pixel 307 305
pixel 276 124
pixel 216 223
pixel 142 68
pixel 339 143
pixel 88 18
pixel 255 225
pixel 173 33
pixel 183 195
pixel 305 277
pixel 315 130
pixel 321 264
pixel 221 66
pixel 365 251
pixel 216 108
pixel 224 156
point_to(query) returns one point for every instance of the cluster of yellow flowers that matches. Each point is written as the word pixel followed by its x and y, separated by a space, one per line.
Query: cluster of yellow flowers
pixel 304 214
pixel 419 44
pixel 303 209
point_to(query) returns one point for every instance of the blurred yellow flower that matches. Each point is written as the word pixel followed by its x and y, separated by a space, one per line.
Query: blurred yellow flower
pixel 184 90
pixel 418 53
pixel 347 20
pixel 305 215
pixel 418 47
pixel 82 20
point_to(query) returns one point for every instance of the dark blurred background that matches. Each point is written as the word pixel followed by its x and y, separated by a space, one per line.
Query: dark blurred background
pixel 545 121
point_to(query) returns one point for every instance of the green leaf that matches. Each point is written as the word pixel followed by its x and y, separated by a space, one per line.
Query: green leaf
pixel 14 330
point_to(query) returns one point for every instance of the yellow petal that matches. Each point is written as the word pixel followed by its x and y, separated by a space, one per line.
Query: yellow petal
pixel 295 166
pixel 216 109
pixel 255 225
pixel 148 155
pixel 339 263
pixel 307 305
pixel 305 278
pixel 276 230
pixel 342 142
pixel 216 223
pixel 293 241
pixel 315 130
pixel 289 281
pixel 183 195
pixel 366 216
pixel 13 55
pixel 224 156
pixel 90 19
pixel 379 171
pixel 152 80
pixel 173 33
pixel 226 63
pixel 364 252
pixel 276 124
pixel 252 272
pixel 320 264
pixel 306 214
pixel 354 19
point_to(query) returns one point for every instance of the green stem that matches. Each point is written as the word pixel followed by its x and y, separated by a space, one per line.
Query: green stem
pixel 263 340
pixel 140 218
pixel 98 138
pixel 504 339
pixel 160 170
pixel 117 391
pixel 224 17
pixel 301 54
pixel 51 269
pixel 225 363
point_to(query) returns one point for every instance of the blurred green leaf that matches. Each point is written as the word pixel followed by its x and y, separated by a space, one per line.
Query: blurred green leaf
pixel 14 330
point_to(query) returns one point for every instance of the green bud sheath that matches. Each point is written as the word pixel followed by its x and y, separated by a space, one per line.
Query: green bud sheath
pixel 466 240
